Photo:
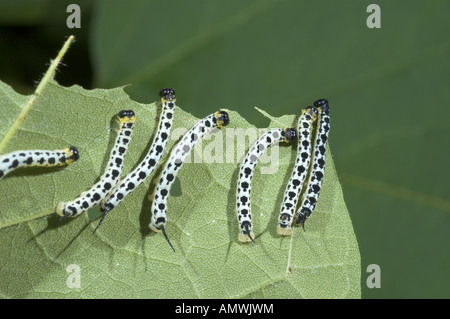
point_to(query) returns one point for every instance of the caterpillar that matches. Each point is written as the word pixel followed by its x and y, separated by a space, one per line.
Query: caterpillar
pixel 146 167
pixel 318 164
pixel 177 156
pixel 294 186
pixel 16 159
pixel 110 177
pixel 244 183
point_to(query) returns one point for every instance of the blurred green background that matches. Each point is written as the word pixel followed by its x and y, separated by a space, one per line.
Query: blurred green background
pixel 389 92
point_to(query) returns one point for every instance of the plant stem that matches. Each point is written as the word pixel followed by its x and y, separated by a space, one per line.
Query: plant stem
pixel 42 84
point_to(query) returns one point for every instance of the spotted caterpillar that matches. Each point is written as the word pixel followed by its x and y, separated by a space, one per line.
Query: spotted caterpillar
pixel 13 160
pixel 177 156
pixel 243 210
pixel 146 167
pixel 109 179
pixel 318 164
pixel 293 188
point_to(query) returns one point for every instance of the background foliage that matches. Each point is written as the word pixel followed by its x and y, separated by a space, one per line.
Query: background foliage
pixel 388 89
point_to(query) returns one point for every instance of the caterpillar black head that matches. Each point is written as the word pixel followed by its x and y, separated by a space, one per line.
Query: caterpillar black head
pixel 222 118
pixel 311 110
pixel 322 104
pixel 290 134
pixel 127 116
pixel 74 153
pixel 126 113
pixel 167 94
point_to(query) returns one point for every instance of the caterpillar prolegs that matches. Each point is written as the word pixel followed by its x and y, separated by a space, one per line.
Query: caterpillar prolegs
pixel 110 177
pixel 27 158
pixel 177 156
pixel 244 185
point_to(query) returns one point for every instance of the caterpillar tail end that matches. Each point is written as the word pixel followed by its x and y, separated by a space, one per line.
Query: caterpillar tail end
pixel 300 224
pixel 154 228
pixel 246 234
pixel 302 217
pixel 61 211
pixel 160 229
pixel 284 231
pixel 246 238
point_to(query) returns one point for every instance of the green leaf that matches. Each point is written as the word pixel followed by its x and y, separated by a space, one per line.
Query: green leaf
pixel 388 89
pixel 123 259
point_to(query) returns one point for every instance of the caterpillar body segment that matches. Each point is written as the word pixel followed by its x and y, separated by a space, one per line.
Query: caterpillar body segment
pixel 111 175
pixel 318 165
pixel 144 169
pixel 177 156
pixel 244 184
pixel 301 167
pixel 27 158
